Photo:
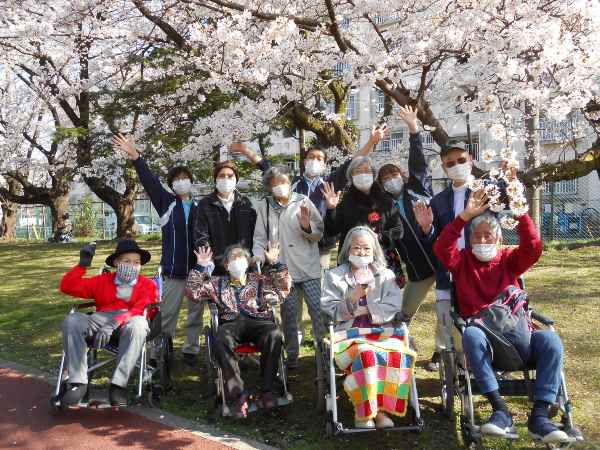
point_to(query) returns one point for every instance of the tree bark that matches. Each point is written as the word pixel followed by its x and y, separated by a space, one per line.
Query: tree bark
pixel 8 226
pixel 532 144
pixel 59 206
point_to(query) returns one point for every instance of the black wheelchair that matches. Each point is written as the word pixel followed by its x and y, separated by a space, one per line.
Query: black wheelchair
pixel 457 383
pixel 157 344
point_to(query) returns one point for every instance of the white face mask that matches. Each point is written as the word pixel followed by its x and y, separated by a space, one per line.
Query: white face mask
pixel 314 168
pixel 485 252
pixel 281 190
pixel 182 187
pixel 237 268
pixel 225 185
pixel 394 185
pixel 360 261
pixel 363 181
pixel 459 172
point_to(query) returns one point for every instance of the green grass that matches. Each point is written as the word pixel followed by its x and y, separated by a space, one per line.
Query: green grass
pixel 565 285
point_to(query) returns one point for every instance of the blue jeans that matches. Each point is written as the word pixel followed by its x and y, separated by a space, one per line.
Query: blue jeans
pixel 546 353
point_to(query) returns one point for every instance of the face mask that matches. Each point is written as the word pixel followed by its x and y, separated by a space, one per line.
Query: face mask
pixel 363 181
pixel 182 187
pixel 127 272
pixel 459 172
pixel 360 261
pixel 394 186
pixel 281 190
pixel 484 252
pixel 237 268
pixel 225 185
pixel 314 168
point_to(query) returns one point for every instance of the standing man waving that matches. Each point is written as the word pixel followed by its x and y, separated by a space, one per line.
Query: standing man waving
pixel 176 213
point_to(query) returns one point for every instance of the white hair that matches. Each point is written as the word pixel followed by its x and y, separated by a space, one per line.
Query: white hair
pixel 359 161
pixel 490 219
pixel 344 254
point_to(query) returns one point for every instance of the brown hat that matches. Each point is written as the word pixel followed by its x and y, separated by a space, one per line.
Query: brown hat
pixel 225 165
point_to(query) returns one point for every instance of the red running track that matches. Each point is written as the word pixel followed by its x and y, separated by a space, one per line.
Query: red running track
pixel 27 422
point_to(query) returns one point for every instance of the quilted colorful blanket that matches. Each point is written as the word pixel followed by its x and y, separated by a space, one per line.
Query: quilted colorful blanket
pixel 379 367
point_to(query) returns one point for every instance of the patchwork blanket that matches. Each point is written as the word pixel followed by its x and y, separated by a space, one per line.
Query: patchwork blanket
pixel 379 367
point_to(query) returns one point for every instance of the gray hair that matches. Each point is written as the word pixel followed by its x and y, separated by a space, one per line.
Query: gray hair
pixel 274 172
pixel 236 250
pixel 359 161
pixel 344 254
pixel 490 219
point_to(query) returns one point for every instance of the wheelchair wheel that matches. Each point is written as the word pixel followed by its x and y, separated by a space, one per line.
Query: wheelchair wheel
pixel 210 374
pixel 320 382
pixel 164 364
pixel 153 397
pixel 447 373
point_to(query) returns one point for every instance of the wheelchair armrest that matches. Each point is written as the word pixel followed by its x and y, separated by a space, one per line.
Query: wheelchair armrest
pixel 79 306
pixel 542 319
pixel 459 322
pixel 148 307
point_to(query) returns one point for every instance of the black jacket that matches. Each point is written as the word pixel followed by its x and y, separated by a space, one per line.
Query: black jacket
pixel 416 251
pixel 358 208
pixel 214 226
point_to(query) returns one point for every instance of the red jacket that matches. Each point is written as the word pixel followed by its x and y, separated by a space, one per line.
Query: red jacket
pixel 103 290
pixel 478 283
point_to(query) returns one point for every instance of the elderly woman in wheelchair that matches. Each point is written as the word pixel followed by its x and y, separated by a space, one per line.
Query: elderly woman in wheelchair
pixel 244 315
pixel 481 274
pixel 120 299
pixel 362 297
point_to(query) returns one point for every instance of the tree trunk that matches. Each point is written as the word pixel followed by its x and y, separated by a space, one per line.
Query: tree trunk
pixel 532 144
pixel 59 207
pixel 8 225
pixel 125 217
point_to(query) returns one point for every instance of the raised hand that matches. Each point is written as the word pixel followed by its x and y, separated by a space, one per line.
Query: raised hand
pixel 409 115
pixel 332 198
pixel 204 255
pixel 477 204
pixel 86 254
pixel 240 148
pixel 272 253
pixel 126 144
pixel 379 132
pixel 424 216
pixel 304 216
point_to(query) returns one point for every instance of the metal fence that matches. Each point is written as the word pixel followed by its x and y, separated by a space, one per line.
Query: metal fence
pixel 570 210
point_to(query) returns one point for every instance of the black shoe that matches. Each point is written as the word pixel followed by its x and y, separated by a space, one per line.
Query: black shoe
pixel 74 394
pixel 434 363
pixel 189 359
pixel 543 429
pixel 117 396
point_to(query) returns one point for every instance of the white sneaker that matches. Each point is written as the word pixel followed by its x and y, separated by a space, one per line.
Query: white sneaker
pixel 369 424
pixel 383 421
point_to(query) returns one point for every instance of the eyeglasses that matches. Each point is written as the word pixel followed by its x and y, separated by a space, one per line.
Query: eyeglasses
pixel 460 160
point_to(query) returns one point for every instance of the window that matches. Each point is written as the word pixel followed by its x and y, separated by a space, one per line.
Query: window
pixel 553 130
pixel 352 109
pixel 427 139
pixel 562 187
pixel 341 68
pixel 379 101
pixel 392 143
pixel 474 150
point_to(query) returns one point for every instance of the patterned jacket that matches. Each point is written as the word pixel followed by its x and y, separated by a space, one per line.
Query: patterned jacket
pixel 253 299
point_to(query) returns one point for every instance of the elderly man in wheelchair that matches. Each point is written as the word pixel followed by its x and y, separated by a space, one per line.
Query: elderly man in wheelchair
pixel 482 274
pixel 121 299
pixel 244 315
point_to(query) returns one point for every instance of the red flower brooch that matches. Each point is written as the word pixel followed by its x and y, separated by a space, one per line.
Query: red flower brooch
pixel 374 217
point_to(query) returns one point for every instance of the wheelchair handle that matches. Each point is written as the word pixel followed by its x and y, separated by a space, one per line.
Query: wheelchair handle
pixel 459 322
pixel 78 306
pixel 542 319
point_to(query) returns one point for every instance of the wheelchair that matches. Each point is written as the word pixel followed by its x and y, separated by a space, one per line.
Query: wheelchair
pixel 214 374
pixel 148 370
pixel 457 382
pixel 328 383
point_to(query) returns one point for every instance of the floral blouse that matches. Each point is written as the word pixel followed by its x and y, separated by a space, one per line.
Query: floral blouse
pixel 251 299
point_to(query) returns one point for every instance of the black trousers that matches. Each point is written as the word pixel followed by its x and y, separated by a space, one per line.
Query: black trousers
pixel 262 333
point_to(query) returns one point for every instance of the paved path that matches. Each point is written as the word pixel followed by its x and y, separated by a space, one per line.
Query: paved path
pixel 27 422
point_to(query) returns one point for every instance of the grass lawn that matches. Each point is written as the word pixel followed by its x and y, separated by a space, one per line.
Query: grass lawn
pixel 565 285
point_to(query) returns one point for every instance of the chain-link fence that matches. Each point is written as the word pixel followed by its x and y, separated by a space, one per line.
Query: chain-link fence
pixel 570 210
